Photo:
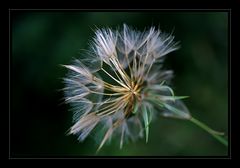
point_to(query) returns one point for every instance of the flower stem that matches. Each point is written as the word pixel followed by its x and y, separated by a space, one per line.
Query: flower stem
pixel 215 134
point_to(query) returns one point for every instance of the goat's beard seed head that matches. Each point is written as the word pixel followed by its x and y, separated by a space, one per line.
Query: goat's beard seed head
pixel 133 89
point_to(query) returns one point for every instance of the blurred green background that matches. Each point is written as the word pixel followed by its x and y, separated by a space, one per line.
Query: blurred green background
pixel 42 40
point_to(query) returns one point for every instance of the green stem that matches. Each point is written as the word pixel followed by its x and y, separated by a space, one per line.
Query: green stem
pixel 215 134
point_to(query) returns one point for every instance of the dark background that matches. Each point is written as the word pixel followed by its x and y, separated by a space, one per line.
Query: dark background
pixel 42 40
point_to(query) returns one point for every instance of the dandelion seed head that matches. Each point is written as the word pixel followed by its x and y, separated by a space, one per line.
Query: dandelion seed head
pixel 134 90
